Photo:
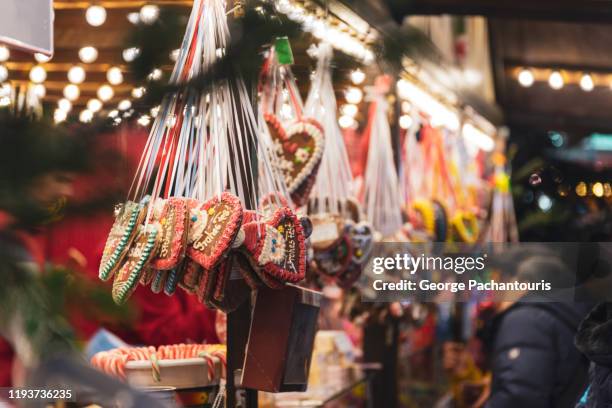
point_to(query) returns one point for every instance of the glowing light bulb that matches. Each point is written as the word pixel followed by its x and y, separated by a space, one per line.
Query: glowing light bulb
pixel 174 54
pixel 94 105
pixel 526 78
pixel 130 54
pixel 155 75
pixel 598 189
pixel 346 121
pixel 405 121
pixel 64 104
pixel 95 15
pixel 357 76
pixel 88 54
pixel 349 110
pixel 144 120
pixel 38 74
pixel 86 116
pixel 105 93
pixel 72 92
pixel 4 73
pixel 556 80
pixel 59 115
pixel 586 83
pixel 353 95
pixel 113 114
pixel 114 76
pixel 149 13
pixel 5 53
pixel 41 58
pixel 40 91
pixel 138 92
pixel 76 75
pixel 124 105
pixel 134 17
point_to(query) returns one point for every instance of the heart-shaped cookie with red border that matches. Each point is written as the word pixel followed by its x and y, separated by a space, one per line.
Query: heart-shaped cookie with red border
pixel 276 245
pixel 192 272
pixel 298 149
pixel 174 220
pixel 141 252
pixel 335 260
pixel 125 228
pixel 214 230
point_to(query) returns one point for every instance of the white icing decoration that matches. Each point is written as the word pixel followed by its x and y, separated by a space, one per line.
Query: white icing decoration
pixel 267 255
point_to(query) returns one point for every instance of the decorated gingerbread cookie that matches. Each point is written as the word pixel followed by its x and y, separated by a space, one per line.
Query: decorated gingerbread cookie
pixel 174 220
pixel 191 274
pixel 298 149
pixel 141 252
pixel 277 246
pixel 215 230
pixel 123 231
pixel 362 241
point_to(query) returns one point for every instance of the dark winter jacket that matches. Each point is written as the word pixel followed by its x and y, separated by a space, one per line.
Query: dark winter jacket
pixel 594 339
pixel 534 360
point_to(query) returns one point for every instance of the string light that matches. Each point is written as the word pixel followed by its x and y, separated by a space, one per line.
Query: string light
pixel 5 53
pixel 581 189
pixel 76 75
pixel 586 83
pixel 144 120
pixel 155 75
pixel 349 110
pixel 95 15
pixel 556 80
pixel 39 90
pixel 114 76
pixel 174 54
pixel 88 54
pixel 41 58
pixel 134 17
pixel 130 54
pixel 38 74
pixel 86 116
pixel 526 78
pixel 64 104
pixel 113 114
pixel 138 92
pixel 3 73
pixel 346 122
pixel 72 92
pixel 124 105
pixel 105 93
pixel 94 105
pixel 405 121
pixel 149 13
pixel 59 115
pixel 353 95
pixel 598 189
pixel 357 76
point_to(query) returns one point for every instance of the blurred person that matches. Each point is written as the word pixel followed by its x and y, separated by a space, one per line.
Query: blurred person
pixel 533 359
pixel 38 163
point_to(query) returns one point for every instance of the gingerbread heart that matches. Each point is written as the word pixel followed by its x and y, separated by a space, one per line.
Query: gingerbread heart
pixel 298 149
pixel 137 259
pixel 174 220
pixel 277 246
pixel 122 233
pixel 214 230
pixel 191 274
pixel 334 261
pixel 327 230
pixel 362 240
